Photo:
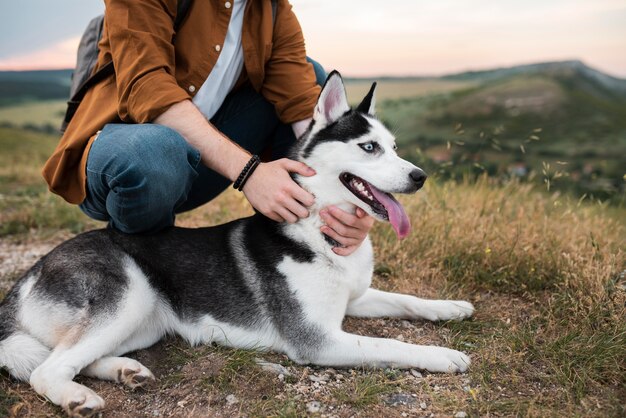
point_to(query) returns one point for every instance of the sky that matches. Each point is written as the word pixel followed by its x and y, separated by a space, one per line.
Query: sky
pixel 373 37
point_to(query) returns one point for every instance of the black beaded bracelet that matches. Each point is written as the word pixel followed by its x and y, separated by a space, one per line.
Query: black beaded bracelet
pixel 248 174
pixel 245 173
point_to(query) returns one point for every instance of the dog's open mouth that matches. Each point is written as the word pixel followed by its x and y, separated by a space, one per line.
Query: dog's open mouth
pixel 383 204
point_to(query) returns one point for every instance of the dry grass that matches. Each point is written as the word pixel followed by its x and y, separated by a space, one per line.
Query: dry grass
pixel 397 89
pixel 548 339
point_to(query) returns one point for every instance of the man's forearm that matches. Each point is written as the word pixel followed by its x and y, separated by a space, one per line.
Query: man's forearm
pixel 217 151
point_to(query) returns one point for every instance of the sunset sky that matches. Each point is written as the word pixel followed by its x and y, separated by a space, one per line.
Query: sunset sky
pixel 372 37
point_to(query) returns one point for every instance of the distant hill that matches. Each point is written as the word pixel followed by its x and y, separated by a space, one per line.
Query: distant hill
pixel 564 114
pixel 571 68
pixel 23 86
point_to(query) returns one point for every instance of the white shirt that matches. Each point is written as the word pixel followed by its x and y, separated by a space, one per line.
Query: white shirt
pixel 229 64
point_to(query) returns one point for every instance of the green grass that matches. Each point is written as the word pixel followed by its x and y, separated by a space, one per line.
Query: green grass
pixel 35 114
pixel 25 202
pixel 364 390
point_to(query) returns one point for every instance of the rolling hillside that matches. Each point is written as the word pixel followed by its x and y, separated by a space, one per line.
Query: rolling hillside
pixel 24 86
pixel 563 121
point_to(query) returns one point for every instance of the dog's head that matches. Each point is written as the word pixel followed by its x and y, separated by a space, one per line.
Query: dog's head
pixel 355 158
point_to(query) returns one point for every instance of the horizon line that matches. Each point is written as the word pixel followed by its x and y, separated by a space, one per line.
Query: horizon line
pixel 383 75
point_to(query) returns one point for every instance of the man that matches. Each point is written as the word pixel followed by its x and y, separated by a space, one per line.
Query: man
pixel 140 147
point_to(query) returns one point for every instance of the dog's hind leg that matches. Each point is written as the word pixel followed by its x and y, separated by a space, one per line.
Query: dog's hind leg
pixel 375 303
pixel 120 369
pixel 102 335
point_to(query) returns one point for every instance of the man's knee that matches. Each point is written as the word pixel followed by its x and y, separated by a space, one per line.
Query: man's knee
pixel 149 169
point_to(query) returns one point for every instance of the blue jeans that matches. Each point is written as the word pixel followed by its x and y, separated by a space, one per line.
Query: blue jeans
pixel 140 175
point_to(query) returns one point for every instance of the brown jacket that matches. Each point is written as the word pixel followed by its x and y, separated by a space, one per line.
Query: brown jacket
pixel 153 73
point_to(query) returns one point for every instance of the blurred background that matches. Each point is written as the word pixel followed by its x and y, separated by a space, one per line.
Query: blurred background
pixel 530 90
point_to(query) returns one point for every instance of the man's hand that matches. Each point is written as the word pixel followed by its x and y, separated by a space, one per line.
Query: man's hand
pixel 272 191
pixel 347 229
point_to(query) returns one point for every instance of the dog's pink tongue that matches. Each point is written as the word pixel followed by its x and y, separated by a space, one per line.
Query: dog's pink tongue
pixel 397 215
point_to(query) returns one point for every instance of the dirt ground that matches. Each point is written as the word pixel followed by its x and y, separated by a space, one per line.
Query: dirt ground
pixel 218 382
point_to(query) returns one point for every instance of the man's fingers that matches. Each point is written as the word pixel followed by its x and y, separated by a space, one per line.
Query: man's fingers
pixel 275 217
pixel 343 216
pixel 297 167
pixel 296 208
pixel 338 226
pixel 306 198
pixel 287 215
pixel 345 250
pixel 344 241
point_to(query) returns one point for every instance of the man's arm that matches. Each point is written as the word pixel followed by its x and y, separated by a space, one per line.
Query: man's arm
pixel 140 35
pixel 270 189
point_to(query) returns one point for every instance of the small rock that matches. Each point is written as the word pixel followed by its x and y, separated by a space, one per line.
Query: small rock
pixel 460 414
pixel 406 324
pixel 415 373
pixel 272 367
pixel 281 377
pixel 400 337
pixel 313 407
pixel 314 378
pixel 423 405
pixel 400 399
pixel 231 399
pixel 404 414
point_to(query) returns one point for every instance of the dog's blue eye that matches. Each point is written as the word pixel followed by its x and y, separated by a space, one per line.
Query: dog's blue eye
pixel 368 146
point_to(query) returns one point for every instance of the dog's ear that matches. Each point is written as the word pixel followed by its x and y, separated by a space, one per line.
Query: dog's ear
pixel 332 102
pixel 368 104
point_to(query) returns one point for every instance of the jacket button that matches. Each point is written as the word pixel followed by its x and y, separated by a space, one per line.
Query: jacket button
pixel 192 88
pixel 227 5
pixel 218 48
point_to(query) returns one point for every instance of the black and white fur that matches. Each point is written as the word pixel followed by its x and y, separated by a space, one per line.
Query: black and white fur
pixel 251 283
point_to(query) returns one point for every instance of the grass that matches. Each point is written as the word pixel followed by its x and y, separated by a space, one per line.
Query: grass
pixel 25 203
pixel 364 390
pixel 546 273
pixel 37 114
pixel 562 262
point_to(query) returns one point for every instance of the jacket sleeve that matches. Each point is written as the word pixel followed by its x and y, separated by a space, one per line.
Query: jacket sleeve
pixel 140 36
pixel 289 83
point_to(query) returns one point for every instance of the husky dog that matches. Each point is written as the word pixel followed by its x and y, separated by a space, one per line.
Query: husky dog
pixel 250 283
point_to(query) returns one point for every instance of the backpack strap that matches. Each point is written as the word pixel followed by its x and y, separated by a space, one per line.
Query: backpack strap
pixel 108 69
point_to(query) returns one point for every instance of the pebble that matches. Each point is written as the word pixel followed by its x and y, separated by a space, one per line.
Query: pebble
pixel 231 399
pixel 406 324
pixel 400 337
pixel 423 405
pixel 272 367
pixel 460 414
pixel 313 407
pixel 400 399
pixel 415 373
pixel 314 378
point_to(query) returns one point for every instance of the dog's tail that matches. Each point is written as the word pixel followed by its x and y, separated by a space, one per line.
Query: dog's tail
pixel 20 353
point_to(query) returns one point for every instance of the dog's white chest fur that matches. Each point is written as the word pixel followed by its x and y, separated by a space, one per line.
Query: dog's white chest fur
pixel 325 286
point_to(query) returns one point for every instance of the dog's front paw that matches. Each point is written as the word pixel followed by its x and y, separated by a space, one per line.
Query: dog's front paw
pixel 82 402
pixel 445 310
pixel 445 360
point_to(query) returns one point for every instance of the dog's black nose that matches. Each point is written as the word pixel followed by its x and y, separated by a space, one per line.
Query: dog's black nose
pixel 418 176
